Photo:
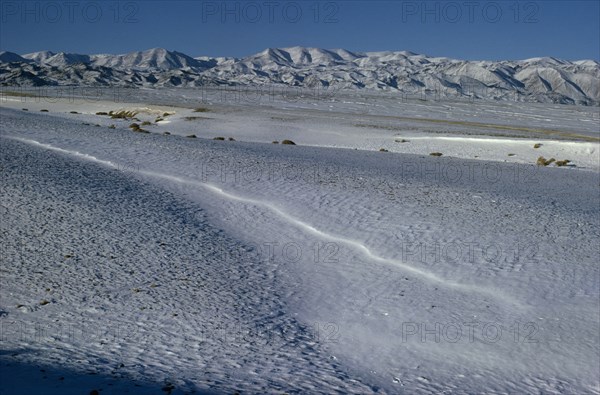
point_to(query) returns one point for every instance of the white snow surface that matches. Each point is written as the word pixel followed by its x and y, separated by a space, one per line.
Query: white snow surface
pixel 149 263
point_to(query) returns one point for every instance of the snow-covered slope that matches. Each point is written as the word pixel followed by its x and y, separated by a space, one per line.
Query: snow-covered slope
pixel 189 264
pixel 39 57
pixel 63 59
pixel 537 79
pixel 154 59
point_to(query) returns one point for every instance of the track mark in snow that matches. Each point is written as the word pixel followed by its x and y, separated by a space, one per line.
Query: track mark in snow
pixel 426 275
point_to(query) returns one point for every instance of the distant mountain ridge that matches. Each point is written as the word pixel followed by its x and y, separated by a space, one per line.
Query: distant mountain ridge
pixel 544 79
pixel 152 59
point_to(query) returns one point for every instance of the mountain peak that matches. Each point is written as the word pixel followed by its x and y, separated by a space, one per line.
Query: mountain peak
pixel 10 57
pixel 39 57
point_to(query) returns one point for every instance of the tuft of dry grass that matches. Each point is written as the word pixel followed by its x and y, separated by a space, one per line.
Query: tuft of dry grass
pixel 537 145
pixel 122 114
pixel 201 109
pixel 136 128
pixel 541 161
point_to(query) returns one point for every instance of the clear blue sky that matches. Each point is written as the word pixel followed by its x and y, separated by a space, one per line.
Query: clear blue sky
pixel 464 29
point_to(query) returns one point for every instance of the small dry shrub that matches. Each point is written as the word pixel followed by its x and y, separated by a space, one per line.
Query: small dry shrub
pixel 123 114
pixel 541 161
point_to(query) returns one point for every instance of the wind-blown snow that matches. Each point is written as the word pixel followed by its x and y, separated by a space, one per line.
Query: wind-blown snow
pixel 219 266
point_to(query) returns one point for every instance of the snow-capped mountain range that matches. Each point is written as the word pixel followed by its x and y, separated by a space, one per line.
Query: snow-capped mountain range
pixel 538 79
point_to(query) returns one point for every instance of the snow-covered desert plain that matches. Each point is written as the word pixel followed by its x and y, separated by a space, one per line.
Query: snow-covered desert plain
pixel 351 262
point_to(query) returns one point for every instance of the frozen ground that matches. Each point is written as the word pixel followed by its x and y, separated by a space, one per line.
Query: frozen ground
pixel 483 130
pixel 145 263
